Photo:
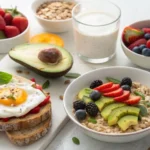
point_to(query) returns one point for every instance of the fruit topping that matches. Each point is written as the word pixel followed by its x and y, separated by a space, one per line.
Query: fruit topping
pixel 130 35
pixel 46 101
pixel 142 46
pixel 126 81
pixel 146 52
pixel 95 95
pixel 79 104
pixel 146 30
pixel 114 87
pixel 132 100
pixel 137 50
pixel 95 84
pixel 126 87
pixel 80 114
pixel 104 86
pixel 2 23
pixel 115 93
pixel 35 110
pixel 148 44
pixel 92 109
pixel 8 18
pixel 147 36
pixel 2 12
pixel 123 97
pixel 5 119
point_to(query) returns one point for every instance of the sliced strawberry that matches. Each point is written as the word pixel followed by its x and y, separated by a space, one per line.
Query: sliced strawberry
pixel 2 12
pixel 115 93
pixel 137 43
pixel 35 110
pixel 130 35
pixel 5 119
pixel 2 23
pixel 114 87
pixel 146 30
pixel 123 97
pixel 33 80
pixel 46 101
pixel 104 86
pixel 37 86
pixel 148 44
pixel 133 100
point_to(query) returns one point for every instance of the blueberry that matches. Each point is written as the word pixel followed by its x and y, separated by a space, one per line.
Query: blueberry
pixel 136 50
pixel 142 46
pixel 146 52
pixel 147 36
pixel 126 87
pixel 95 95
pixel 80 114
pixel 126 81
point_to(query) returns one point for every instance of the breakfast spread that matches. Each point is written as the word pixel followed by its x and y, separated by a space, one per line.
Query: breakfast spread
pixel 12 23
pixel 137 40
pixel 114 106
pixel 55 10
pixel 25 110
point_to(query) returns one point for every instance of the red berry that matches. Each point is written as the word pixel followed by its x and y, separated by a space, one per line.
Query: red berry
pixel 115 93
pixel 46 101
pixel 5 119
pixel 35 110
pixel 20 22
pixel 123 97
pixel 8 18
pixel 2 12
pixel 148 44
pixel 2 23
pixel 104 86
pixel 11 31
pixel 38 87
pixel 146 30
pixel 33 80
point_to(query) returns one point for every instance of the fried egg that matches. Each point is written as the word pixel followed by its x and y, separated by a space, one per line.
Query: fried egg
pixel 18 98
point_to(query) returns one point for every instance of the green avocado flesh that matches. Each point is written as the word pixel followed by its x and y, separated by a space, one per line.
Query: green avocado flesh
pixel 125 122
pixel 103 102
pixel 118 113
pixel 27 55
pixel 108 109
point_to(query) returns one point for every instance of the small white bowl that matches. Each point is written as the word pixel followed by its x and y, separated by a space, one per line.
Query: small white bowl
pixel 137 59
pixel 7 44
pixel 85 80
pixel 56 26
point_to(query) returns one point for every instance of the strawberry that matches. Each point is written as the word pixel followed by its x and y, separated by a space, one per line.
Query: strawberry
pixel 115 93
pixel 133 100
pixel 2 23
pixel 38 87
pixel 104 86
pixel 8 18
pixel 130 35
pixel 123 97
pixel 20 22
pixel 148 44
pixel 5 119
pixel 137 43
pixel 35 110
pixel 146 30
pixel 11 31
pixel 33 80
pixel 46 101
pixel 114 87
pixel 2 12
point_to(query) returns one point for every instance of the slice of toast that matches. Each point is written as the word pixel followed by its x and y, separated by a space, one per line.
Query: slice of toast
pixel 28 136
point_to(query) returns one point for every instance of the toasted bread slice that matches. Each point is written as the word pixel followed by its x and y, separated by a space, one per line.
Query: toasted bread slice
pixel 28 136
pixel 28 121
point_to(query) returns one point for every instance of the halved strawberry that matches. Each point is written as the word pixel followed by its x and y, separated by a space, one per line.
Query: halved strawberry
pixel 137 43
pixel 46 101
pixel 123 97
pixel 35 110
pixel 114 87
pixel 115 93
pixel 146 30
pixel 131 34
pixel 104 86
pixel 133 100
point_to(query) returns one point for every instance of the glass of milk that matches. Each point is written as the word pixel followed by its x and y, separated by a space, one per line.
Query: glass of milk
pixel 96 25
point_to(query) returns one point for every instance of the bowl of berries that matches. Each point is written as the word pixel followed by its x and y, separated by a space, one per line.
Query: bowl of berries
pixel 135 43
pixel 111 104
pixel 14 29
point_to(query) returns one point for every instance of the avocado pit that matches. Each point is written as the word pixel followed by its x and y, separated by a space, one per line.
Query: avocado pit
pixel 50 55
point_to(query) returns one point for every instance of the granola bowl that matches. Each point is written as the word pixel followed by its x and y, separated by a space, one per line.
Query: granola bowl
pixel 101 129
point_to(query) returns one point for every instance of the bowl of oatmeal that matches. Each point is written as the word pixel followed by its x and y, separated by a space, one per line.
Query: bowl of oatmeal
pixel 54 16
pixel 111 104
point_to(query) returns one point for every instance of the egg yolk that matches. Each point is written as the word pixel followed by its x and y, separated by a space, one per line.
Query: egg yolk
pixel 12 96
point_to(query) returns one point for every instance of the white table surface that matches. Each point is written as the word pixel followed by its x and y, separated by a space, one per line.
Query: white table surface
pixel 132 10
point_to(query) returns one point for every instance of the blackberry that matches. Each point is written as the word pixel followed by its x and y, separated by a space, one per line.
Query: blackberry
pixel 92 109
pixel 126 81
pixel 95 84
pixel 78 105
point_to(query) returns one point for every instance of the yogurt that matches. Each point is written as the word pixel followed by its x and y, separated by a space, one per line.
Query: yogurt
pixel 93 38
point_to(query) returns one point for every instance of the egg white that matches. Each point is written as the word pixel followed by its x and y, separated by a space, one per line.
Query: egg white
pixel 34 98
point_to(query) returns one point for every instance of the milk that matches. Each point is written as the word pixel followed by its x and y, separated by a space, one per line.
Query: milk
pixel 95 41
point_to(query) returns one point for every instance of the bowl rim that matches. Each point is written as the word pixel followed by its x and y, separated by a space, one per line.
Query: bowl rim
pixel 46 20
pixel 18 36
pixel 93 131
pixel 123 44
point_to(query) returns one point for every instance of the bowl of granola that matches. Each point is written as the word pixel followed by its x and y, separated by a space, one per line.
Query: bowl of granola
pixel 111 104
pixel 54 16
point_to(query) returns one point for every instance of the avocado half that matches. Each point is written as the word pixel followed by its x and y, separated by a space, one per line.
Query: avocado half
pixel 27 55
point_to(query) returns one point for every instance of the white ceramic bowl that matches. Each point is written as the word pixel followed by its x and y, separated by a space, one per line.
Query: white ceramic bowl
pixel 85 80
pixel 56 26
pixel 7 44
pixel 137 59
